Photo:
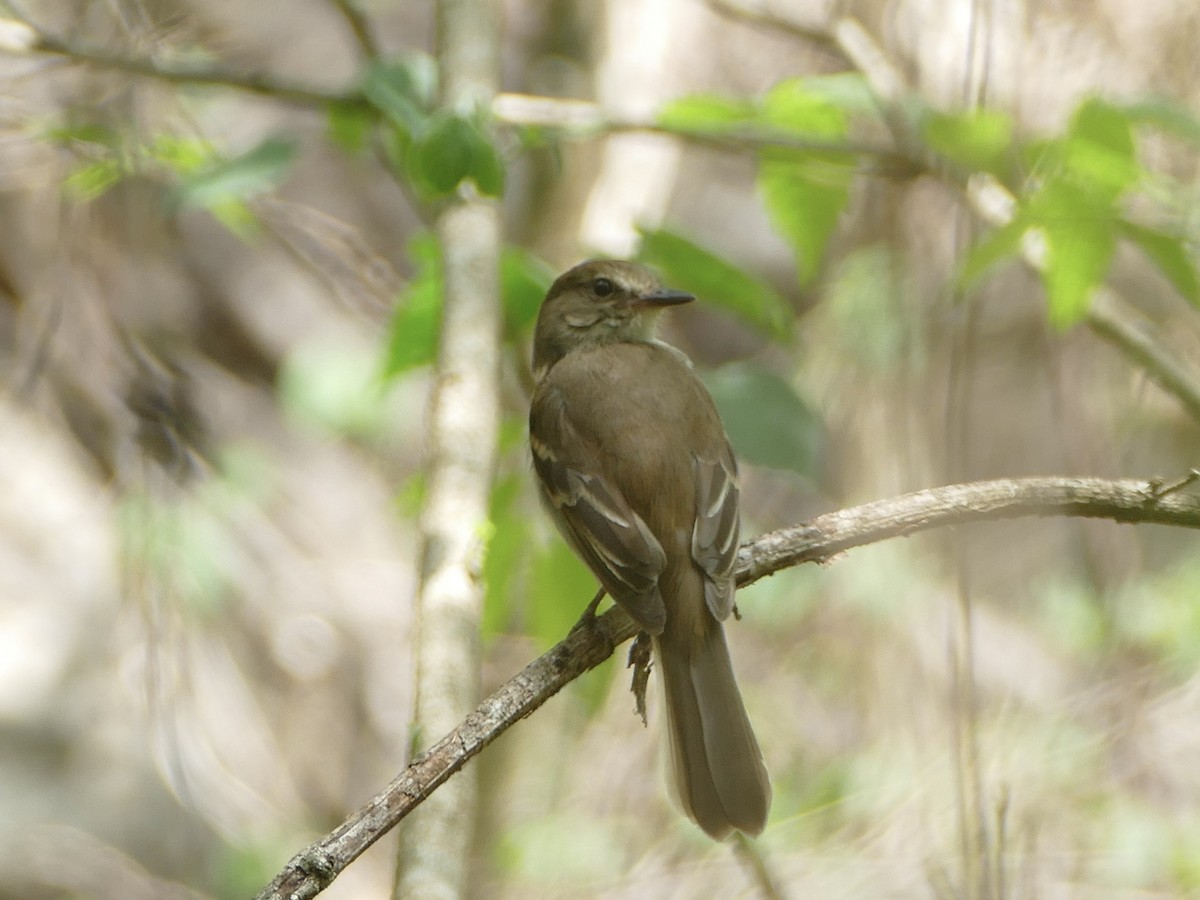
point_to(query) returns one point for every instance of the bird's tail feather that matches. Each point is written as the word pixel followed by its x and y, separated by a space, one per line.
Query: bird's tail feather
pixel 719 771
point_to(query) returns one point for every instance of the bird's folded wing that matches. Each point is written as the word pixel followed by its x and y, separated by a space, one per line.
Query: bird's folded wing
pixel 595 517
pixel 715 534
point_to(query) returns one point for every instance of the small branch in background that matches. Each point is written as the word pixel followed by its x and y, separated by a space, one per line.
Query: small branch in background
pixel 819 540
pixel 360 26
pixel 20 37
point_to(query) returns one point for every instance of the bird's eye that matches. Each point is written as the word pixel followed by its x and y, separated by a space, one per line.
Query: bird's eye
pixel 602 287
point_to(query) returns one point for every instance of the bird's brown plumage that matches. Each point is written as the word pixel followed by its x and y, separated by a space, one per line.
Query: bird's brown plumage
pixel 635 467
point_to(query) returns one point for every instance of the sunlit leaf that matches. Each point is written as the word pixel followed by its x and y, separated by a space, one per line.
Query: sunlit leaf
pixel 708 112
pixel 1170 254
pixel 687 266
pixel 416 323
pixel 1099 150
pixel 794 107
pixel 804 191
pixel 767 422
pixel 1080 241
pixel 978 139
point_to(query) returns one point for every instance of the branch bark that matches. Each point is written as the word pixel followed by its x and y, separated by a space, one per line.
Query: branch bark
pixel 1127 501
pixel 464 417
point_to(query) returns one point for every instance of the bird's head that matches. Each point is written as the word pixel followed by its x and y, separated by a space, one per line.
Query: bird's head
pixel 599 301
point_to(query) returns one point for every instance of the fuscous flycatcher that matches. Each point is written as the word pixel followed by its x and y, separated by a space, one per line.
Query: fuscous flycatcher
pixel 637 471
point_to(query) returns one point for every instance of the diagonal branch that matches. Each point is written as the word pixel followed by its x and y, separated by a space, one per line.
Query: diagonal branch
pixel 1128 501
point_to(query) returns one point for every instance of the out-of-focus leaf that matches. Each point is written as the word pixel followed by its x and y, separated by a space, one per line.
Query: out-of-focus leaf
pixel 84 133
pixel 350 126
pixel 848 91
pixel 1103 124
pixel 977 140
pixel 1080 240
pixel 804 191
pixel 332 385
pixel 1097 153
pixel 524 281
pixel 794 107
pixel 708 112
pixel 687 266
pixel 507 547
pixel 1165 114
pixel 183 155
pixel 415 327
pixel 996 247
pixel 403 90
pixel 803 201
pixel 92 179
pixel 560 589
pixel 416 322
pixel 767 422
pixel 454 148
pixel 254 172
pixel 1169 253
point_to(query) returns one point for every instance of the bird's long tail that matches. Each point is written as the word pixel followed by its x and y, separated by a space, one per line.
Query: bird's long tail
pixel 719 770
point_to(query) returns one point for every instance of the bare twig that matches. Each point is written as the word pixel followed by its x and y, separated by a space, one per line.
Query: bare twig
pixel 1129 501
pixel 360 26
pixel 278 89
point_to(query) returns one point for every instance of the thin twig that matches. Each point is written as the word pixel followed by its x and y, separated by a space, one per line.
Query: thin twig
pixel 360 26
pixel 818 540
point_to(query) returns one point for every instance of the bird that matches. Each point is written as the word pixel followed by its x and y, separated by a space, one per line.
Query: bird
pixel 636 470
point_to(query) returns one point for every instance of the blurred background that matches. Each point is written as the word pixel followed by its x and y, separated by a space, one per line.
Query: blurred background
pixel 217 312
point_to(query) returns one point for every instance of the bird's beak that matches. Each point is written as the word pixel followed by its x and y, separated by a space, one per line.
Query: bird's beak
pixel 658 299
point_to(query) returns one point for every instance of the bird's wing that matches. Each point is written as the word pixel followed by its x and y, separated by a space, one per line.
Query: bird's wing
pixel 715 534
pixel 595 517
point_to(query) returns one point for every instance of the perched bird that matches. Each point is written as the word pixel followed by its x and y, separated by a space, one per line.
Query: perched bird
pixel 635 468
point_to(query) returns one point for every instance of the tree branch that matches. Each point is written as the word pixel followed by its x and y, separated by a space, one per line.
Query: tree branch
pixel 1128 501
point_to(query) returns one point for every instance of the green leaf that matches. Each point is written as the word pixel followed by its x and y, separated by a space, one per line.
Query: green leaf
pixel 560 589
pixel 183 155
pixel 416 321
pixel 708 113
pixel 793 106
pixel 1166 115
pixel 524 280
pixel 1170 254
pixel 455 148
pixel 687 266
pixel 804 191
pixel 507 549
pixel 331 385
pixel 1103 124
pixel 1080 233
pixel 1099 150
pixel 350 126
pixel 978 140
pixel 403 91
pixel 848 91
pixel 92 179
pixel 254 172
pixel 997 246
pixel 767 422
pixel 803 200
